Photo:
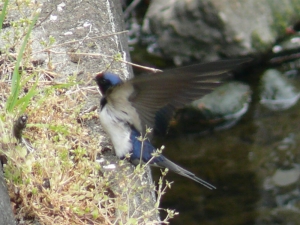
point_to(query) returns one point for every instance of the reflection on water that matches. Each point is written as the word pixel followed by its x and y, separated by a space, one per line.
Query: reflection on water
pixel 254 165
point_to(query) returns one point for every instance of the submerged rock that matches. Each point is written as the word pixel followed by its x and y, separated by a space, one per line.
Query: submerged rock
pixel 220 109
pixel 277 93
pixel 286 177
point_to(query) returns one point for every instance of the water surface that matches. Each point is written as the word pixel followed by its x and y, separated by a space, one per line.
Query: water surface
pixel 255 166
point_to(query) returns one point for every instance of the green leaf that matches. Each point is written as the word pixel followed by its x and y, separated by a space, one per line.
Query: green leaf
pixel 15 85
pixel 3 14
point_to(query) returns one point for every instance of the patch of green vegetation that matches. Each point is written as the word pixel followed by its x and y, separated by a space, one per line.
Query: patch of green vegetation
pixel 257 43
pixel 282 12
pixel 3 13
pixel 16 78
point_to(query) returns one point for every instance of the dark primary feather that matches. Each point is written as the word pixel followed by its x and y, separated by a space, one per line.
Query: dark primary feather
pixel 173 89
pixel 166 163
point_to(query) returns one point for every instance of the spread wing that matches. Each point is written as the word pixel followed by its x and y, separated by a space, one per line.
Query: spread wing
pixel 157 96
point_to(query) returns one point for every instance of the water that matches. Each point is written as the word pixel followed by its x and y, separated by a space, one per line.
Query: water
pixel 255 166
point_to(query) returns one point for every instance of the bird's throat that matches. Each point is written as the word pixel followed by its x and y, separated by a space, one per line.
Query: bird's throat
pixel 103 102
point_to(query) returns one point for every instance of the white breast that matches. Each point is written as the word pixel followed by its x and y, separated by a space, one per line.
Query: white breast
pixel 117 129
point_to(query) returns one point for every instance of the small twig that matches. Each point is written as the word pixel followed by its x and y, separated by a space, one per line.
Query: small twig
pixel 40 82
pixel 108 56
pixel 91 109
pixel 43 20
pixel 284 58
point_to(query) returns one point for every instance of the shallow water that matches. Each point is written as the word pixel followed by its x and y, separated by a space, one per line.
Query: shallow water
pixel 255 166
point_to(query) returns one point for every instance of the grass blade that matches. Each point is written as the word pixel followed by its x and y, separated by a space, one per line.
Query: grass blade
pixel 3 14
pixel 15 85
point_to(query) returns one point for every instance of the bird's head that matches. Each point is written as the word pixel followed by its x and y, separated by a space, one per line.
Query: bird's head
pixel 106 80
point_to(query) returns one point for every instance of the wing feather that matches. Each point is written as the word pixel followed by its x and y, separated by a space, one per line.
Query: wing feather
pixel 172 89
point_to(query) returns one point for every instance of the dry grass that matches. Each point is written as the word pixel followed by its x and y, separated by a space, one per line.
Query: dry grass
pixel 60 181
pixel 57 182
pixel 54 176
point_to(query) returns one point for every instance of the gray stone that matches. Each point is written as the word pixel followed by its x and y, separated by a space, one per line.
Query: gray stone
pixel 211 29
pixel 6 214
pixel 286 177
pixel 277 92
pixel 221 109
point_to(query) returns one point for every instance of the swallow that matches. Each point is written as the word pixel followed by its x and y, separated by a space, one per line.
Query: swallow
pixel 128 108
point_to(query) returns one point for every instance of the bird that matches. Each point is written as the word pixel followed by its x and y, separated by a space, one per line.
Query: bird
pixel 129 108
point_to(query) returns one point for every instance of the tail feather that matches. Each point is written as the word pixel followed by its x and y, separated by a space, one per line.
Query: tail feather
pixel 183 172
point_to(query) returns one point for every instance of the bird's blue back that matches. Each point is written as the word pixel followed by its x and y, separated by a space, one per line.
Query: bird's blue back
pixel 145 148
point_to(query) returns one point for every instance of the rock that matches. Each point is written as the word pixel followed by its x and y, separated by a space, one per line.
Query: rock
pixel 209 30
pixel 291 43
pixel 286 177
pixel 277 93
pixel 6 214
pixel 220 109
